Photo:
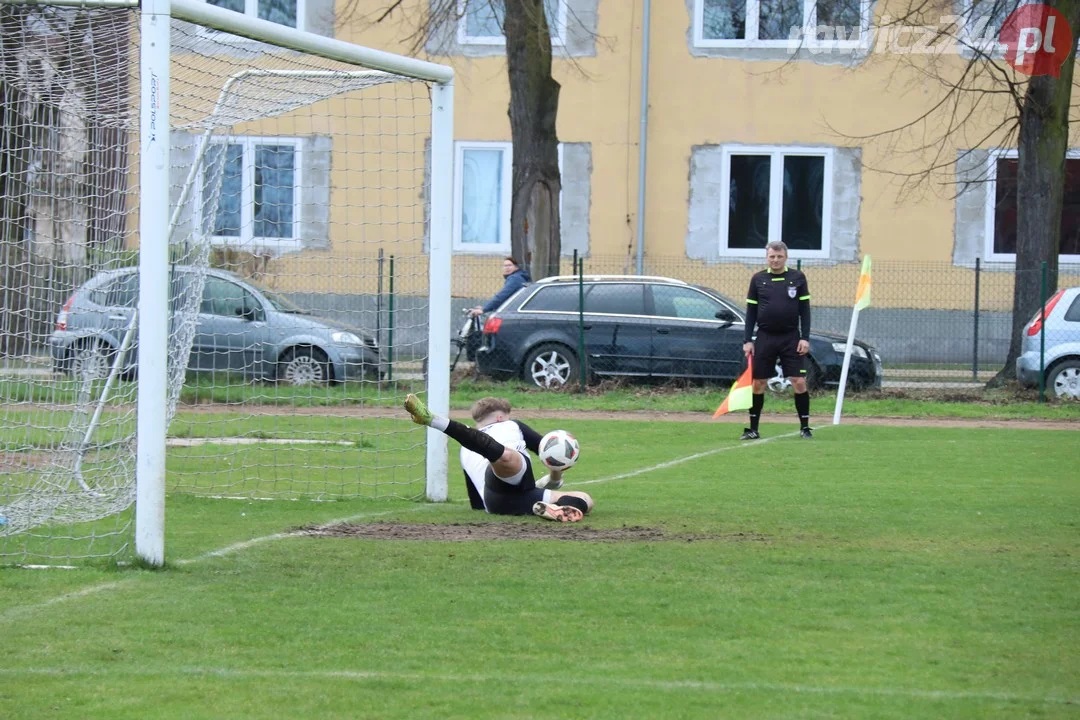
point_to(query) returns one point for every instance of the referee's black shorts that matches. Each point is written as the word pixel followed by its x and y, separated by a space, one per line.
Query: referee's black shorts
pixel 769 348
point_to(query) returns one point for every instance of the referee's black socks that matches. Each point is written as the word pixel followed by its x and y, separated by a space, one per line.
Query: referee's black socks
pixel 802 407
pixel 756 403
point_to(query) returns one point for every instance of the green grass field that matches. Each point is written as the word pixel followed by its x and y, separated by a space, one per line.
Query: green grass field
pixel 885 572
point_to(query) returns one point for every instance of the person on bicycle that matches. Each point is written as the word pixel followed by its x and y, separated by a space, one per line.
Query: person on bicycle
pixel 516 277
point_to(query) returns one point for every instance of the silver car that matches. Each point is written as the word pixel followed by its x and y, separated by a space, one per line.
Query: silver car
pixel 1061 346
pixel 242 328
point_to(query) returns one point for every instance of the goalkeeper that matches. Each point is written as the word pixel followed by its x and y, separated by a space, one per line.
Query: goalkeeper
pixel 498 471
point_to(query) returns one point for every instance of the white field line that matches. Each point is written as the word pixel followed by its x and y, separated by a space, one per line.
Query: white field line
pixel 593 680
pixel 20 611
pixel 23 610
pixel 688 458
pixel 196 442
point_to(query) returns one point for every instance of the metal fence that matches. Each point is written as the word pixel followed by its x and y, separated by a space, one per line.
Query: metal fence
pixel 928 319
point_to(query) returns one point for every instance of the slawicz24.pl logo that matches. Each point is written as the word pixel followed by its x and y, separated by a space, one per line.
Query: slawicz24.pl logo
pixel 1037 40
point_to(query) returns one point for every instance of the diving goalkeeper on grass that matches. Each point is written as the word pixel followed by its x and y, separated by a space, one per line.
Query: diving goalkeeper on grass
pixel 498 470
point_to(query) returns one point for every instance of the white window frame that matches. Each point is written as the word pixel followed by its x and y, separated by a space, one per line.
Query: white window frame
pixel 247 195
pixel 991 202
pixel 503 247
pixel 251 9
pixel 809 29
pixel 777 153
pixel 558 28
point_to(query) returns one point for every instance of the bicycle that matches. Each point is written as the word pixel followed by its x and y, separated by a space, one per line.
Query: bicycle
pixel 467 340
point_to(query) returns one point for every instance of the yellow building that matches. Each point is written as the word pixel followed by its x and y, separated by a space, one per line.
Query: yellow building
pixel 746 139
pixel 751 130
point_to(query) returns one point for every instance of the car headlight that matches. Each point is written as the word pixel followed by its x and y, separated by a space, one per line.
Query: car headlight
pixel 840 348
pixel 346 338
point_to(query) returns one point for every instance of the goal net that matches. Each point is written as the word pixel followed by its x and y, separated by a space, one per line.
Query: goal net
pixel 295 250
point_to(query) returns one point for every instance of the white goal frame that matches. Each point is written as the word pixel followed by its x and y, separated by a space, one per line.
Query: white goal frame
pixel 152 311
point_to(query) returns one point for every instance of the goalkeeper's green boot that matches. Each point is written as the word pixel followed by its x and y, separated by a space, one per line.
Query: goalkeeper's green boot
pixel 418 410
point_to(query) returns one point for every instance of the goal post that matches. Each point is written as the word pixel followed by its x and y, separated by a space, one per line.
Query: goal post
pixel 365 137
pixel 150 480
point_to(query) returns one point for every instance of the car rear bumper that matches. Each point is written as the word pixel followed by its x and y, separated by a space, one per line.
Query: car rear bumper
pixel 1027 369
pixel 59 349
pixel 494 361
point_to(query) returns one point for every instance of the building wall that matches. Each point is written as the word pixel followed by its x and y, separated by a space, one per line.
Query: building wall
pixel 701 101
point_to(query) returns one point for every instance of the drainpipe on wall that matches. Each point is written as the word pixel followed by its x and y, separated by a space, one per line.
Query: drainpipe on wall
pixel 643 134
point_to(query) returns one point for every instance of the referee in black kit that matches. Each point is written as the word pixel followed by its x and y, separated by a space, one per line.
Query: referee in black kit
pixel 778 303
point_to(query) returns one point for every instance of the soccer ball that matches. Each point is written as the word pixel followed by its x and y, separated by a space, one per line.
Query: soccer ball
pixel 559 450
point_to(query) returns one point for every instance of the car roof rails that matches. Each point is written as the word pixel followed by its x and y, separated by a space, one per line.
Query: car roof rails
pixel 595 278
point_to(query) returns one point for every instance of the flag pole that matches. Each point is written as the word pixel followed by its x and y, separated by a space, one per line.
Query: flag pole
pixel 844 368
pixel 862 300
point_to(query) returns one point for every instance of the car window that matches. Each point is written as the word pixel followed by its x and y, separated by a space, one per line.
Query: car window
pixel 554 298
pixel 615 299
pixel 1073 315
pixel 121 291
pixel 684 303
pixel 221 297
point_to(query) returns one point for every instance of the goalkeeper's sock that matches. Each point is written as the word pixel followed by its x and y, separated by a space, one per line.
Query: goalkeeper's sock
pixel 756 403
pixel 472 439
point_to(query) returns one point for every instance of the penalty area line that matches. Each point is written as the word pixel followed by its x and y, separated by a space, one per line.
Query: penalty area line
pixel 20 611
pixel 686 459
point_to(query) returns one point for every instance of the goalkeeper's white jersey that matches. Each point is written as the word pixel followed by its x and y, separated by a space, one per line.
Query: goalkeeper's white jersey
pixel 475 465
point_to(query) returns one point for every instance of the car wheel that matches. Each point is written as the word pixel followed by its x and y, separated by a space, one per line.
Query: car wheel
pixel 304 366
pixel 551 366
pixel 1064 379
pixel 90 360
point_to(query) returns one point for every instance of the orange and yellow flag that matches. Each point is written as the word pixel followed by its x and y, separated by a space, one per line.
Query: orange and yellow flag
pixel 741 394
pixel 862 295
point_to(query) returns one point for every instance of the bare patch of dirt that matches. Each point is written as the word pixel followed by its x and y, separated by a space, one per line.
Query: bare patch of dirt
pixel 20 462
pixel 540 530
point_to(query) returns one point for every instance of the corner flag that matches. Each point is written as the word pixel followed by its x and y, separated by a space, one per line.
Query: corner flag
pixel 741 395
pixel 862 301
pixel 862 295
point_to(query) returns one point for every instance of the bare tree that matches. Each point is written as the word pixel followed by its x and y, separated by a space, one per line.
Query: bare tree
pixel 984 101
pixel 534 103
pixel 66 106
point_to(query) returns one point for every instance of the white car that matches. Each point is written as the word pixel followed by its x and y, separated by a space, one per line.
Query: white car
pixel 1057 342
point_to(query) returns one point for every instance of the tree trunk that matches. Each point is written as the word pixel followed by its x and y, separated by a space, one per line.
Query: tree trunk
pixel 534 103
pixel 1040 187
pixel 14 192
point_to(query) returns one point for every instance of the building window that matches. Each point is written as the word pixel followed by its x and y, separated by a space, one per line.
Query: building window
pixel 782 23
pixel 1001 211
pixel 770 193
pixel 250 191
pixel 482 197
pixel 282 12
pixel 481 21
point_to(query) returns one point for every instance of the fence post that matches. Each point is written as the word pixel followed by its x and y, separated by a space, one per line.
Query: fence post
pixel 390 327
pixel 582 360
pixel 378 301
pixel 1042 335
pixel 975 343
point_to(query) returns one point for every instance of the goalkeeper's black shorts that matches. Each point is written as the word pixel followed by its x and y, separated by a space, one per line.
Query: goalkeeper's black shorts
pixel 502 498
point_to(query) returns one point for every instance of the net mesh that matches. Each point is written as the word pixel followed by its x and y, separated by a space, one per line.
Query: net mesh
pixel 297 275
